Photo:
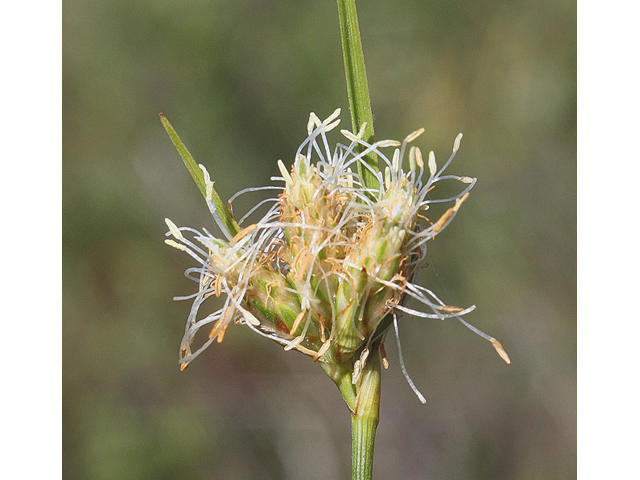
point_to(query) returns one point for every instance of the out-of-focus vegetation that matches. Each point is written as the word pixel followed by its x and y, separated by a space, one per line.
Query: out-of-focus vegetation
pixel 238 80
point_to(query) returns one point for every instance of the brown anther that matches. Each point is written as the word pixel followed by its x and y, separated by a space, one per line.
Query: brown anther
pixel 242 233
pixel 216 328
pixel 297 322
pixel 323 338
pixel 227 316
pixel 419 160
pixel 305 350
pixel 450 309
pixel 443 219
pixel 223 330
pixel 183 353
pixel 501 351
pixel 217 286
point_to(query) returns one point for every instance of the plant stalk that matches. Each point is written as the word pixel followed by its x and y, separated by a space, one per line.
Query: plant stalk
pixel 357 88
pixel 363 399
pixel 365 420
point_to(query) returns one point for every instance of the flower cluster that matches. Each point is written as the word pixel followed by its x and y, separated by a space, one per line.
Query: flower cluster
pixel 328 267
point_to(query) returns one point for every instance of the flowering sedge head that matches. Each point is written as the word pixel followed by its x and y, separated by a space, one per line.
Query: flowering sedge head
pixel 331 262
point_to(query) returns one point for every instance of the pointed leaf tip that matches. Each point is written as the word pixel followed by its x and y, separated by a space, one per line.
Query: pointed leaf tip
pixel 199 177
pixel 184 153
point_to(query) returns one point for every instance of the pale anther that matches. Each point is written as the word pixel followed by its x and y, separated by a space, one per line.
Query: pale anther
pixel 175 231
pixel 249 317
pixel 314 121
pixel 419 161
pixel 456 144
pixel 297 322
pixel 388 143
pixel 174 244
pixel 412 159
pixel 432 163
pixel 396 160
pixel 294 343
pixel 411 137
pixel 333 116
pixel 323 349
pixel 349 135
pixel 331 126
pixel 363 127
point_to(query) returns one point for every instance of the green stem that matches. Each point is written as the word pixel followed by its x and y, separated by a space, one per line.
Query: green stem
pixel 365 420
pixel 357 88
pixel 363 400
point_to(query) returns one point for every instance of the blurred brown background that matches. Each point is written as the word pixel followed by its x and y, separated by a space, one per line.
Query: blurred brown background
pixel 238 79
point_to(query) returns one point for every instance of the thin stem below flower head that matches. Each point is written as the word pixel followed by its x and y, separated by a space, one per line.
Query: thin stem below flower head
pixel 357 88
pixel 364 420
pixel 363 400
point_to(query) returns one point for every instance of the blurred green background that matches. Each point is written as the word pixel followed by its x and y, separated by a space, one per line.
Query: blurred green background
pixel 238 79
